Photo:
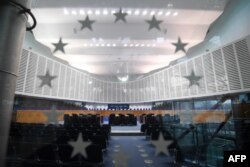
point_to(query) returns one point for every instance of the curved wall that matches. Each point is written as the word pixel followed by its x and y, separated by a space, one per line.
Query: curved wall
pixel 225 70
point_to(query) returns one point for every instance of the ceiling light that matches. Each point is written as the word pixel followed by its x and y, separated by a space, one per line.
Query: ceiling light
pixel 160 13
pixel 105 12
pixel 129 12
pixel 108 45
pixel 175 14
pixel 90 82
pixel 144 12
pixel 160 39
pixel 154 45
pixel 142 45
pixel 152 12
pixel 73 12
pixel 131 45
pixel 137 12
pixel 102 44
pixel 148 45
pixel 170 5
pixel 65 11
pixel 97 45
pixel 91 45
pixel 113 11
pixel 125 45
pixel 114 45
pixel 136 45
pixel 123 79
pixel 100 40
pixel 168 13
pixel 97 12
pixel 85 45
pixel 90 12
pixel 82 12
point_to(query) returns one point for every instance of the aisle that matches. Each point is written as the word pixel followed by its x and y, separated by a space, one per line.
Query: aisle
pixel 135 151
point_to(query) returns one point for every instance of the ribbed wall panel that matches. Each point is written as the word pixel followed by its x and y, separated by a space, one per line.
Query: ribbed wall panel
pixel 223 71
pixel 209 73
pixel 243 55
pixel 62 79
pixel 22 71
pixel 198 66
pixel 73 84
pixel 232 69
pixel 30 75
pixel 55 82
pixel 67 84
pixel 47 89
pixel 40 71
pixel 221 79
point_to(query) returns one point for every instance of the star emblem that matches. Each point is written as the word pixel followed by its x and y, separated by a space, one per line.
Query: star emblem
pixel 59 46
pixel 52 115
pixel 162 145
pixel 46 79
pixel 193 79
pixel 120 16
pixel 180 46
pixel 154 23
pixel 120 159
pixel 79 146
pixel 86 23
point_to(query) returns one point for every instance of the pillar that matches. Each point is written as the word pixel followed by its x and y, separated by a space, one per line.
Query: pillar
pixel 12 32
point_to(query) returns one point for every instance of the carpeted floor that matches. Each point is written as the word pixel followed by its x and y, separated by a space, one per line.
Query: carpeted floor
pixel 138 150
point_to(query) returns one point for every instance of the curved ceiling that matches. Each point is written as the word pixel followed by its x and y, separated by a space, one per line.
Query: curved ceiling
pixel 123 48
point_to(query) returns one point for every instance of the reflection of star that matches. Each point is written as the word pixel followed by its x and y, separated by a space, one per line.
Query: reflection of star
pixel 193 79
pixel 154 23
pixel 59 46
pixel 180 46
pixel 52 115
pixel 120 159
pixel 46 79
pixel 79 146
pixel 162 145
pixel 86 23
pixel 120 16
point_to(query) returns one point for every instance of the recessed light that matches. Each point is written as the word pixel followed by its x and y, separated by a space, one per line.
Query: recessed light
pixel 90 12
pixel 97 45
pixel 73 12
pixel 131 45
pixel 168 13
pixel 137 12
pixel 85 45
pixel 97 12
pixel 160 13
pixel 91 45
pixel 136 45
pixel 82 12
pixel 114 45
pixel 170 5
pixel 148 45
pixel 129 12
pixel 108 45
pixel 125 45
pixel 145 12
pixel 152 12
pixel 113 11
pixel 65 11
pixel 154 45
pixel 105 12
pixel 175 14
pixel 142 45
